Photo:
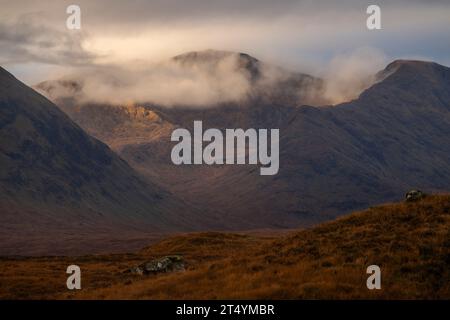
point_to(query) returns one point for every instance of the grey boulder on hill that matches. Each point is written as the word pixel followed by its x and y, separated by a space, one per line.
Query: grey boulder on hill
pixel 161 265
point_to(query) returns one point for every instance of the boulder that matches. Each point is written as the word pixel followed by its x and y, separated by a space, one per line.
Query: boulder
pixel 160 265
pixel 414 195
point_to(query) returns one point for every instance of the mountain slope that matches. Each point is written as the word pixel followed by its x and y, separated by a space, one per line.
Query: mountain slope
pixel 56 178
pixel 394 137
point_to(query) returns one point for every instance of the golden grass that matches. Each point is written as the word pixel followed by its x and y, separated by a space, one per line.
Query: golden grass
pixel 409 241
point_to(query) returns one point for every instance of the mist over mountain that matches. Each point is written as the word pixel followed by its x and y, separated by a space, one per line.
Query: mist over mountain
pixel 333 159
pixel 196 80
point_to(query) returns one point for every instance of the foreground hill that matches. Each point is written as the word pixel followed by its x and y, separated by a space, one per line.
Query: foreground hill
pixel 410 242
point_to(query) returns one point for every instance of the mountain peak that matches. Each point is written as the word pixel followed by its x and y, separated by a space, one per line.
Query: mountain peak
pixel 404 62
pixel 408 70
pixel 211 55
pixel 412 65
pixel 410 81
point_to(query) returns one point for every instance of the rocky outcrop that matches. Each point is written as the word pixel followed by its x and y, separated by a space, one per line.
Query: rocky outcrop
pixel 160 265
pixel 414 195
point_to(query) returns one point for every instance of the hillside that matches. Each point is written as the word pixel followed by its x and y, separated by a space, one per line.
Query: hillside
pixel 59 183
pixel 409 241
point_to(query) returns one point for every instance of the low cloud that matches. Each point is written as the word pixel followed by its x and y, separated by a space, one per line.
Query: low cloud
pixel 350 74
pixel 300 35
pixel 170 83
pixel 215 77
pixel 27 39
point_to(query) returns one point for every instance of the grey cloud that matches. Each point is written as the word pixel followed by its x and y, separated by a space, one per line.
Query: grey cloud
pixel 169 83
pixel 28 39
pixel 138 12
pixel 304 34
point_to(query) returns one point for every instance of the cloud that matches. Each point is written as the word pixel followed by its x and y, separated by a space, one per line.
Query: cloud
pixel 129 36
pixel 349 74
pixel 209 78
pixel 299 33
pixel 170 83
pixel 28 39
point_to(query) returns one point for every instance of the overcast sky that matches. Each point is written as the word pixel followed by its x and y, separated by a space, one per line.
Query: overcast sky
pixel 303 35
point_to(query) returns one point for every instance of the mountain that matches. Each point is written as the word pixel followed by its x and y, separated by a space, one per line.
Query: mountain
pixel 212 58
pixel 267 84
pixel 394 137
pixel 57 180
pixel 409 241
pixel 333 158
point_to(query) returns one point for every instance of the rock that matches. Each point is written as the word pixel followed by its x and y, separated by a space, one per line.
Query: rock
pixel 136 270
pixel 414 195
pixel 161 265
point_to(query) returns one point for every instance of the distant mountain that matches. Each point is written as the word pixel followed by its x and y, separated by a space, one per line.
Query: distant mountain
pixel 268 82
pixel 394 137
pixel 333 159
pixel 213 57
pixel 120 125
pixel 56 179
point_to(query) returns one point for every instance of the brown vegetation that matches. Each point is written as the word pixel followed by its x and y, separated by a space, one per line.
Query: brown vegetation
pixel 409 241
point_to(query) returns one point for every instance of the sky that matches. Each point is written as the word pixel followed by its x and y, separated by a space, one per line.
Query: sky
pixel 308 36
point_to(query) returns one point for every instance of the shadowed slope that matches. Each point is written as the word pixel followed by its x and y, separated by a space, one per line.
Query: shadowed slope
pixel 56 179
